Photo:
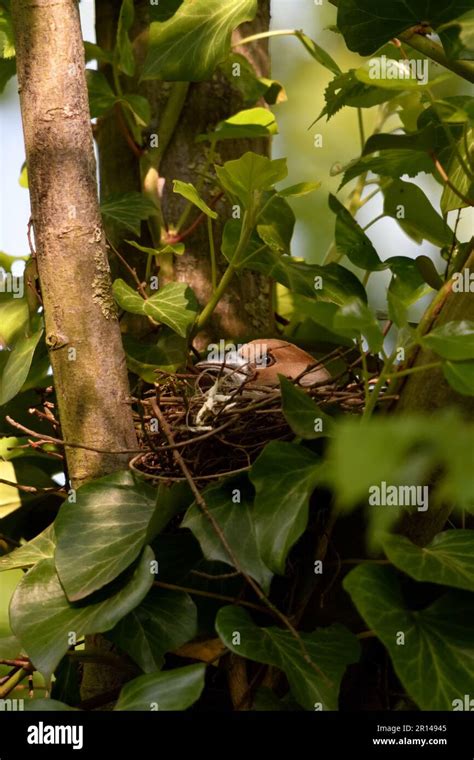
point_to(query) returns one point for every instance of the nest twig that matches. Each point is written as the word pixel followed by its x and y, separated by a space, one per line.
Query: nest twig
pixel 218 427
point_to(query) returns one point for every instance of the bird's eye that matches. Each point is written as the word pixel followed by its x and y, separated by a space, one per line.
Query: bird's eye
pixel 265 361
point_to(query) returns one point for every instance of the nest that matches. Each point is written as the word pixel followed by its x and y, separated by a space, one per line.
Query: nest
pixel 219 429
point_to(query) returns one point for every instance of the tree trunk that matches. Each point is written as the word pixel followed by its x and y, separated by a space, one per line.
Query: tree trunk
pixel 246 309
pixel 82 329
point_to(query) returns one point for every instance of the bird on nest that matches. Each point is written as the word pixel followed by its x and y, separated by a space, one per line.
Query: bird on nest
pixel 255 365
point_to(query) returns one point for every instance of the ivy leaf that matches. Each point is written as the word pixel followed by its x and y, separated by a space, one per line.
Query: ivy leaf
pixel 168 354
pixel 453 340
pixel 436 662
pixel 346 90
pixel 128 298
pixel 463 183
pixel 406 287
pixel 172 690
pixel 40 547
pixel 101 95
pixel 189 45
pixel 188 191
pixel 448 559
pixel 301 188
pixel 174 305
pixel 123 47
pixel 428 271
pixel 161 623
pixel 331 650
pixel 460 376
pixel 139 106
pixel 284 476
pixel 237 523
pixel 253 122
pixel 457 37
pixel 94 52
pixel 409 205
pixel 128 209
pixel 42 617
pixel 366 29
pixel 241 74
pixel 355 318
pixel 352 241
pixel 101 534
pixel 301 412
pixel 318 53
pixel 251 173
pixel 391 163
pixel 48 705
pixel 18 366
pixel 7 71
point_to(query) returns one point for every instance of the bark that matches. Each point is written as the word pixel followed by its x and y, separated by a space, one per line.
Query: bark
pixel 82 330
pixel 246 310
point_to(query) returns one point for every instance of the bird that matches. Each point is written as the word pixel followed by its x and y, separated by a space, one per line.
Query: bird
pixel 261 361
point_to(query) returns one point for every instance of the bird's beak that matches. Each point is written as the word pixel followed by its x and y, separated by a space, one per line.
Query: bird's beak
pixel 234 367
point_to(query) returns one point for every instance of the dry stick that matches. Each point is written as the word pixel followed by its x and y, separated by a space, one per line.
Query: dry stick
pixel 31 489
pixel 218 531
pixel 211 595
pixel 51 439
pixel 132 271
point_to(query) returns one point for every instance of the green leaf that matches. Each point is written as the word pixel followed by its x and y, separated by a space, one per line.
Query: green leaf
pixel 94 52
pixel 18 366
pixel 188 191
pixel 366 28
pixel 123 47
pixel 448 559
pixel 406 287
pixel 284 476
pixel 318 53
pixel 14 318
pixel 241 74
pixel 355 318
pixel 27 555
pixel 103 532
pixel 174 305
pixel 352 241
pixel 7 71
pixel 408 204
pixel 168 354
pixel 101 95
pixel 161 623
pixel 249 174
pixel 331 650
pixel 302 413
pixel 394 74
pixel 139 106
pixel 346 90
pixel 190 45
pixel 177 248
pixel 254 122
pixel 128 298
pixel 436 662
pixel 390 163
pixel 173 690
pixel 429 272
pixel 237 523
pixel 43 619
pixel 463 183
pixel 128 209
pixel 453 340
pixel 460 376
pixel 301 188
pixel 457 37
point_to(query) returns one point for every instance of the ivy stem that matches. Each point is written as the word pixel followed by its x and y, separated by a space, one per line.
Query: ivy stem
pixel 376 219
pixel 13 681
pixel 413 370
pixel 374 395
pixel 266 35
pixel 246 230
pixel 199 185
pixel 212 251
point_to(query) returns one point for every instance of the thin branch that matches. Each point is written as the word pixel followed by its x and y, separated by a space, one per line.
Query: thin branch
pixel 69 444
pixel 235 561
pixel 448 182
pixel 211 595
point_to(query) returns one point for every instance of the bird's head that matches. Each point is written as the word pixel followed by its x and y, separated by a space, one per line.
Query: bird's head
pixel 260 361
